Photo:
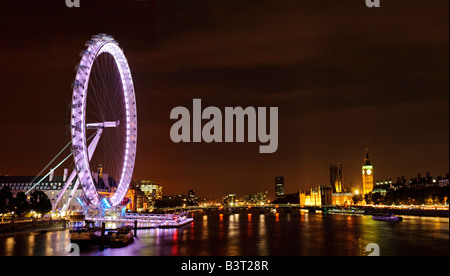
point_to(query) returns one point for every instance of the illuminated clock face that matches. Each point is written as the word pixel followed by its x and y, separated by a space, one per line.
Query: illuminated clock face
pixel 369 171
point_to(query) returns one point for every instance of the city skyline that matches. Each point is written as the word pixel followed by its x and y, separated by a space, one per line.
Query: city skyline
pixel 344 78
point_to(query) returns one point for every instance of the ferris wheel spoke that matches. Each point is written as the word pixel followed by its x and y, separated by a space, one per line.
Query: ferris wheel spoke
pixel 94 99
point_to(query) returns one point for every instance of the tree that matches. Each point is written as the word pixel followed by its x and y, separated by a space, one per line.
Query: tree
pixel 6 200
pixel 357 198
pixel 40 203
pixel 368 198
pixel 377 198
pixel 21 204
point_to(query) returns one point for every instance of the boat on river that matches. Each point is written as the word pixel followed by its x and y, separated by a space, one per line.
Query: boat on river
pixel 84 232
pixel 387 217
pixel 122 237
pixel 345 211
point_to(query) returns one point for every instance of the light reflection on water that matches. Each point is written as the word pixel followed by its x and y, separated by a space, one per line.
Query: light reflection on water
pixel 259 234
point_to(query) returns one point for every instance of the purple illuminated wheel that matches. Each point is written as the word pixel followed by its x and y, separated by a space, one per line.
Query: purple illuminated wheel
pixel 103 123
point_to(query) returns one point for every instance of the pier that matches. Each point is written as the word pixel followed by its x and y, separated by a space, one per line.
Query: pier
pixel 147 221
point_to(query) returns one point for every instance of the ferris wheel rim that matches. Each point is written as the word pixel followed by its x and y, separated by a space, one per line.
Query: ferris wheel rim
pixel 98 45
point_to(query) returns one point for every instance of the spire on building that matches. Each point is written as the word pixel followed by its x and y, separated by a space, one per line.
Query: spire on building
pixel 366 159
pixel 336 177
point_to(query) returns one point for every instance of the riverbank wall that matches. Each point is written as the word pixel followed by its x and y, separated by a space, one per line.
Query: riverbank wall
pixel 407 212
pixel 31 225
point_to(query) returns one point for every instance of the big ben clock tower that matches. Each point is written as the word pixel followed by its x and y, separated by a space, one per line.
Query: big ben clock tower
pixel 367 174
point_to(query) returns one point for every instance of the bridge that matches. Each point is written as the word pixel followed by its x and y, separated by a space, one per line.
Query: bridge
pixel 414 210
pixel 263 208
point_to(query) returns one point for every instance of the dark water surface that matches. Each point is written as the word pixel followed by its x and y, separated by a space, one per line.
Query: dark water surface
pixel 296 234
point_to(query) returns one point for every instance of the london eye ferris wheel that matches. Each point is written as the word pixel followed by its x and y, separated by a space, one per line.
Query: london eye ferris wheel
pixel 103 121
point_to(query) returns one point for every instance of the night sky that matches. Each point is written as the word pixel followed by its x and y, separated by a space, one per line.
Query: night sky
pixel 344 78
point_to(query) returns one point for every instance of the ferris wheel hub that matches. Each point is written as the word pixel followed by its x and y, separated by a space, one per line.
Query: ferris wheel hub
pixel 103 124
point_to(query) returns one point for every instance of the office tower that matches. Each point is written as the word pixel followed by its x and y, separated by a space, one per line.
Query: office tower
pixel 279 186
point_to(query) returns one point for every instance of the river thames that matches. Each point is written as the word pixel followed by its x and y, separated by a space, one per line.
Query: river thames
pixel 254 234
